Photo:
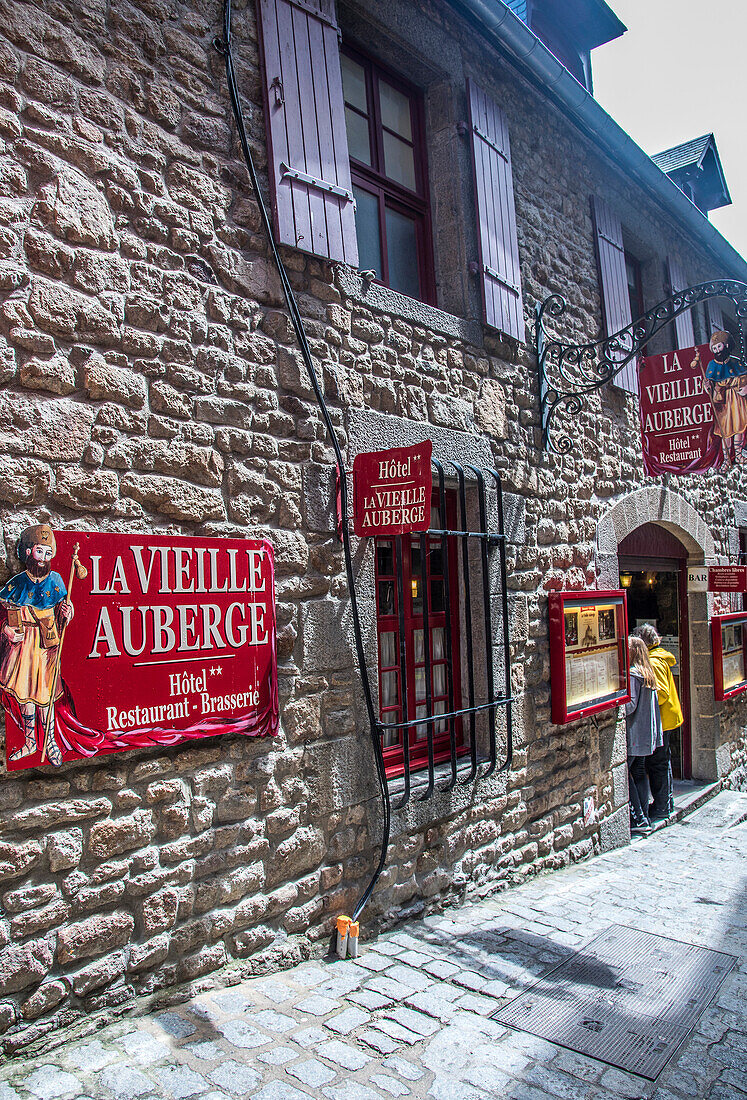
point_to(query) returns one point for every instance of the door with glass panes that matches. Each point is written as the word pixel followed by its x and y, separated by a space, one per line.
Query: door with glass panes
pixel 409 628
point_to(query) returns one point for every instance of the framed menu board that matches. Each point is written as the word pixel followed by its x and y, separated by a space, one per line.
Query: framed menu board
pixel 588 653
pixel 729 643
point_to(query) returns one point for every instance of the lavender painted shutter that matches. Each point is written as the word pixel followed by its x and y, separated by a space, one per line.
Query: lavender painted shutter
pixel 308 149
pixel 613 282
pixel 499 250
pixel 683 325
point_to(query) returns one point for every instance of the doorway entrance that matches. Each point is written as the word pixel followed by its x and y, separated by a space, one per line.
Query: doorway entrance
pixel 653 572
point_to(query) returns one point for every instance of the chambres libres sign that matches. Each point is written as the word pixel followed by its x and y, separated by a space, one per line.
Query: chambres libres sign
pixel 119 641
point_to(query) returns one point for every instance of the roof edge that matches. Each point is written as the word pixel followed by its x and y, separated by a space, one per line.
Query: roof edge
pixel 516 41
pixel 615 26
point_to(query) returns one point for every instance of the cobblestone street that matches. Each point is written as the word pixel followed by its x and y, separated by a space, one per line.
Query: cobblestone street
pixel 411 1016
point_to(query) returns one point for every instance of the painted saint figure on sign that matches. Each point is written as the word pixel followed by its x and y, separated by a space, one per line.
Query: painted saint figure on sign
pixel 726 384
pixel 36 610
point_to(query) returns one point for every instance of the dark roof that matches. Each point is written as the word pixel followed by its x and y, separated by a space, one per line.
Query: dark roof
pixel 687 155
pixel 695 167
pixel 520 46
pixel 590 22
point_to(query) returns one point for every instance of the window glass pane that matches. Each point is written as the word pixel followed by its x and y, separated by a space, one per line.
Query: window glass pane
pixel 389 694
pixel 632 272
pixel 354 83
pixel 417 596
pixel 385 559
pixel 435 518
pixel 420 683
pixel 437 643
pixel 399 161
pixel 386 597
pixel 395 110
pixel 417 643
pixel 415 557
pixel 438 602
pixel 421 732
pixel 443 726
pixel 388 649
pixel 389 738
pixel 436 559
pixel 359 143
pixel 367 231
pixel 402 253
pixel 439 680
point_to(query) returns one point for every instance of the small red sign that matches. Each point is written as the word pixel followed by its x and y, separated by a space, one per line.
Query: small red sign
pixel 392 491
pixel 677 415
pixel 170 639
pixel 727 578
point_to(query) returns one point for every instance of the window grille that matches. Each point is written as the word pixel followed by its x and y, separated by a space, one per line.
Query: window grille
pixel 478 633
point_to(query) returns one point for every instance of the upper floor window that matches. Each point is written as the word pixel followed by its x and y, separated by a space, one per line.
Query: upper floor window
pixel 347 165
pixel 384 122
pixel 635 286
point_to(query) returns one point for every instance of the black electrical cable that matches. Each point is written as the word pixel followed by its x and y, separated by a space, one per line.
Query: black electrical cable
pixel 224 47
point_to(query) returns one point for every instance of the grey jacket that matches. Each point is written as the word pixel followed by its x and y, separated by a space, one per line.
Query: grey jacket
pixel 642 718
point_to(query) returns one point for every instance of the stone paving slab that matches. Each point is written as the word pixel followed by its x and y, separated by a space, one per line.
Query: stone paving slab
pixel 410 1017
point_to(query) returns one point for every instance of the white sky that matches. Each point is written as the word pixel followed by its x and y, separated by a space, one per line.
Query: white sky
pixel 678 72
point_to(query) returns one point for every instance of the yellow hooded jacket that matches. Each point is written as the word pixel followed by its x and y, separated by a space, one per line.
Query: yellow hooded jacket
pixel 669 705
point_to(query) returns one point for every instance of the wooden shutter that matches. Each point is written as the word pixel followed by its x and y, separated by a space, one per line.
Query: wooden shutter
pixel 683 325
pixel 496 216
pixel 613 282
pixel 307 144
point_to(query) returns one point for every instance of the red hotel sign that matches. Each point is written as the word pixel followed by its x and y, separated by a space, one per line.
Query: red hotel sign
pixel 392 491
pixel 171 639
pixel 676 413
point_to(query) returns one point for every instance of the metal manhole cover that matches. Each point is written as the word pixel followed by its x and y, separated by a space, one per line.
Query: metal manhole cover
pixel 629 999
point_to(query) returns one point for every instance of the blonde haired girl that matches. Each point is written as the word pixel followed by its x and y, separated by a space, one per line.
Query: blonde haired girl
pixel 644 732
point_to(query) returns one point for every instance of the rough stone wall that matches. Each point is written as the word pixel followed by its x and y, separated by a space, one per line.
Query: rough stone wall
pixel 151 383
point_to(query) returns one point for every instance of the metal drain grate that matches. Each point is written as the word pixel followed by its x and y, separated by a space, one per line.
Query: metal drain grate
pixel 629 999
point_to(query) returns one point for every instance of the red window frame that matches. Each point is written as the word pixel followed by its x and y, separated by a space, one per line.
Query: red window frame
pixel 388 622
pixel 389 193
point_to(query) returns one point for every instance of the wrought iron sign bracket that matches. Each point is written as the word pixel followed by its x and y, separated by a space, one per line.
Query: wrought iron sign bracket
pixel 568 372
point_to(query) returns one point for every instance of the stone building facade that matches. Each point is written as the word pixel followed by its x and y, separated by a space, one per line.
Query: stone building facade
pixel 151 382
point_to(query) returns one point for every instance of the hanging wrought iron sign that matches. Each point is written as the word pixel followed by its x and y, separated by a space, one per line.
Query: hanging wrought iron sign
pixel 569 372
pixel 677 415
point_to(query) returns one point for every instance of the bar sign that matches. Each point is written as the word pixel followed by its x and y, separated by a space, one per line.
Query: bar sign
pixel 697 579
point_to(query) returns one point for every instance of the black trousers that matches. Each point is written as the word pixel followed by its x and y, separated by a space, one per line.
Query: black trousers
pixel 659 770
pixel 638 791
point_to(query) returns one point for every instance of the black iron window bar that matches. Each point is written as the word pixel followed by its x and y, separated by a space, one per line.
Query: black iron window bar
pixel 468 714
pixel 568 372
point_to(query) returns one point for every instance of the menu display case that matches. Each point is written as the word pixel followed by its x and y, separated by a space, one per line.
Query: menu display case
pixel 588 653
pixel 729 643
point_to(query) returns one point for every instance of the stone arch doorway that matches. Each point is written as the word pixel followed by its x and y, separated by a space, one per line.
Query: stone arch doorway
pixel 653 571
pixel 659 527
